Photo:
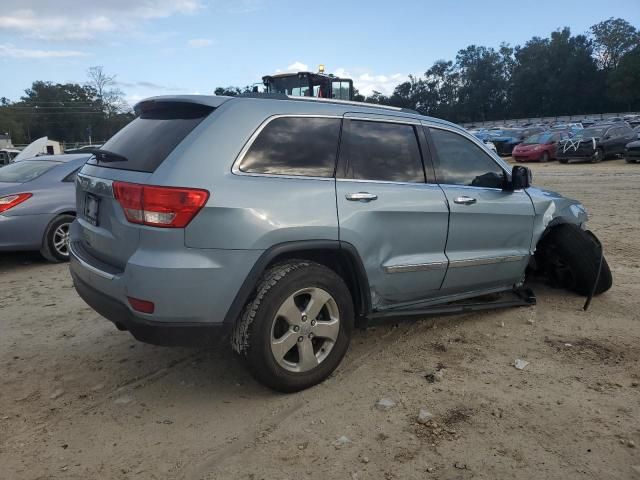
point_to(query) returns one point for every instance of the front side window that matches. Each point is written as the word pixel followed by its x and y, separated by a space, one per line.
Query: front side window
pixel 305 146
pixel 382 151
pixel 459 161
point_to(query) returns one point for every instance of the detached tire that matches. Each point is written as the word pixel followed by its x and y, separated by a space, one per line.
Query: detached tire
pixel 296 330
pixel 573 257
pixel 55 244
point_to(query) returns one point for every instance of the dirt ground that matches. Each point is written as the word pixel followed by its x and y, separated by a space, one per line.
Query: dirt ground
pixel 81 400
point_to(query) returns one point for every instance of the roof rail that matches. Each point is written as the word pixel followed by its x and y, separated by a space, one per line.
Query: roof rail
pixel 282 96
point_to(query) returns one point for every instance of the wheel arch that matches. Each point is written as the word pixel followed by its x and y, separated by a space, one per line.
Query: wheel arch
pixel 342 257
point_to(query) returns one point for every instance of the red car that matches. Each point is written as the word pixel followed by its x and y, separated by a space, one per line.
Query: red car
pixel 540 147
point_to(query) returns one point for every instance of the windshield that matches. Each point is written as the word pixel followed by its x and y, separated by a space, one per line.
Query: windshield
pixel 25 171
pixel 539 138
pixel 591 132
pixel 290 85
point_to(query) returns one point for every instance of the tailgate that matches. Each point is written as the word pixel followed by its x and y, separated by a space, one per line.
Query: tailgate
pixel 131 155
pixel 105 233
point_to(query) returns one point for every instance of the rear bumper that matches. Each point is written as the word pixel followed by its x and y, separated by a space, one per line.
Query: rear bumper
pixel 157 333
pixel 191 289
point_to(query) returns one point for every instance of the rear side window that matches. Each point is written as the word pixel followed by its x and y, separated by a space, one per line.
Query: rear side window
pixel 25 171
pixel 151 137
pixel 459 161
pixel 304 146
pixel 382 151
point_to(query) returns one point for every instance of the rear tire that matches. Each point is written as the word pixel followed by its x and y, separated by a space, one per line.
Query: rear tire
pixel 563 160
pixel 55 244
pixel 283 347
pixel 598 156
pixel 571 257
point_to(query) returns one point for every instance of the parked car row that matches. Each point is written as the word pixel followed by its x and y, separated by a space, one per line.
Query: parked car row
pixel 565 142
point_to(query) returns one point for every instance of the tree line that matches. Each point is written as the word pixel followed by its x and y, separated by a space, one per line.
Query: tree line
pixel 68 112
pixel 562 74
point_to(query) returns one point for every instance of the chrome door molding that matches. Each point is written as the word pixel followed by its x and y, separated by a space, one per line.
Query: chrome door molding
pixel 416 267
pixel 476 262
pixel 470 262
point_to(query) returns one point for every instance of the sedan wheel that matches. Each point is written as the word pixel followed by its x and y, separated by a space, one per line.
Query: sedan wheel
pixel 61 240
pixel 55 244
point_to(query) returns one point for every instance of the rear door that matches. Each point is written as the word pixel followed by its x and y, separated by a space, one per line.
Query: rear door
pixel 132 155
pixel 490 229
pixel 395 219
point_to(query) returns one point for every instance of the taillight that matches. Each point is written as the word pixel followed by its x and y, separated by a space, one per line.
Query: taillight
pixel 10 201
pixel 167 207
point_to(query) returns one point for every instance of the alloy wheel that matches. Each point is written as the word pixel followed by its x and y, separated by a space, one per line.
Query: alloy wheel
pixel 305 329
pixel 61 239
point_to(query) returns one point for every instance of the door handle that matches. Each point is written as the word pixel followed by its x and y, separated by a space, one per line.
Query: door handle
pixel 465 200
pixel 361 197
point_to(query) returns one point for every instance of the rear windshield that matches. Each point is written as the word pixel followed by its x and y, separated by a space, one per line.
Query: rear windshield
pixel 151 137
pixel 25 171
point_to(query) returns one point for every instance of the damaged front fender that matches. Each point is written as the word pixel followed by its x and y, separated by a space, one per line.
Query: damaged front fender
pixel 552 209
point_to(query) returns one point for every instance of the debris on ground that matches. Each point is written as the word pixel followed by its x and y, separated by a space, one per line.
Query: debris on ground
pixel 342 441
pixel 424 416
pixel 385 404
pixel 57 394
pixel 520 364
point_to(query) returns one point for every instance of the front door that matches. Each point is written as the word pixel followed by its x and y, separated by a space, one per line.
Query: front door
pixel 490 229
pixel 395 219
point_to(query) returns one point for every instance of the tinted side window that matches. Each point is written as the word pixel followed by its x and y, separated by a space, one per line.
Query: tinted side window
pixel 459 161
pixel 382 151
pixel 295 146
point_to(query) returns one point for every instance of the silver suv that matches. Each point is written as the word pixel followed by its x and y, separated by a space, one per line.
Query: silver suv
pixel 288 220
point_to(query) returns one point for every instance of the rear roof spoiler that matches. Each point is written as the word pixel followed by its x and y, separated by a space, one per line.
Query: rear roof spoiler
pixel 206 100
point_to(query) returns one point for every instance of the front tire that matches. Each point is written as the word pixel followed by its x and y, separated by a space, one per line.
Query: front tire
pixel 296 330
pixel 597 156
pixel 572 257
pixel 55 244
pixel 545 157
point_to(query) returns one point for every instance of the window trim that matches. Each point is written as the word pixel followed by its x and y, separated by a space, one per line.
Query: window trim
pixel 410 122
pixel 235 168
pixel 474 140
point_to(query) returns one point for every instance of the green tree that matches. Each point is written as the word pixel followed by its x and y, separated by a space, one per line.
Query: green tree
pixel 613 38
pixel 624 81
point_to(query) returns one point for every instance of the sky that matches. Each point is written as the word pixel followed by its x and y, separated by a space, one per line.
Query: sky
pixel 159 47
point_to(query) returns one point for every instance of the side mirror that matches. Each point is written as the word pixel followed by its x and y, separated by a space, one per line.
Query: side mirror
pixel 520 178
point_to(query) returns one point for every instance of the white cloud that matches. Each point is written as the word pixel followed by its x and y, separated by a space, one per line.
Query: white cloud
pixel 65 20
pixel 200 42
pixel 8 50
pixel 298 67
pixel 367 82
